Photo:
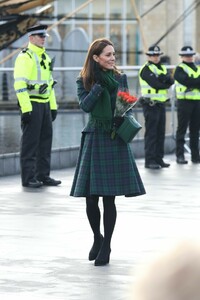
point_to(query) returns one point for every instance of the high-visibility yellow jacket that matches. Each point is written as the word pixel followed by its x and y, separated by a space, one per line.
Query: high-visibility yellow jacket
pixel 183 92
pixel 32 70
pixel 147 91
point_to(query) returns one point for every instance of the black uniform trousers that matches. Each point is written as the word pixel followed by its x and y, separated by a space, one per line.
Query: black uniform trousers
pixel 154 137
pixel 36 143
pixel 188 115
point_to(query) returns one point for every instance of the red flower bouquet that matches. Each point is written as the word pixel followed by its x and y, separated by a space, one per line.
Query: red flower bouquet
pixel 124 102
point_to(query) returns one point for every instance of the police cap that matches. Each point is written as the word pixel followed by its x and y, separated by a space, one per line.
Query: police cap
pixel 154 50
pixel 38 30
pixel 187 51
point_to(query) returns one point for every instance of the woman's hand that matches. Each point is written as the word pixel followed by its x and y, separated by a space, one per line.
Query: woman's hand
pixel 97 74
pixel 117 121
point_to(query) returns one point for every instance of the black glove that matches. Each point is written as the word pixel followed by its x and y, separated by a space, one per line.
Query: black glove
pixel 53 114
pixel 162 78
pixel 43 88
pixel 117 121
pixel 26 117
pixel 97 74
pixel 166 79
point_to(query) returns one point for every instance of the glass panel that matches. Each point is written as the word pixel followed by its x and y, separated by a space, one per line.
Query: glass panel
pixel 99 9
pixel 131 41
pixel 130 15
pixel 84 11
pixel 82 25
pixel 132 44
pixel 98 31
pixel 64 7
pixel 98 26
pixel 116 8
pixel 116 39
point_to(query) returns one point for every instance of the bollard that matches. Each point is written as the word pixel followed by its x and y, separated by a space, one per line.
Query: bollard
pixel 4 87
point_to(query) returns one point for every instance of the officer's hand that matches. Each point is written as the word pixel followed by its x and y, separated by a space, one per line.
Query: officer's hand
pixel 97 74
pixel 26 117
pixel 53 114
pixel 166 79
pixel 162 78
pixel 170 79
pixel 117 121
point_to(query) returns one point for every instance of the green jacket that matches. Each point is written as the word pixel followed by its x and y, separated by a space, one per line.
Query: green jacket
pixel 87 100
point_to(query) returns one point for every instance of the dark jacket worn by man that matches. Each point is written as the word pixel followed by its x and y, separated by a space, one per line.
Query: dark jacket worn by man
pixel 154 82
pixel 187 83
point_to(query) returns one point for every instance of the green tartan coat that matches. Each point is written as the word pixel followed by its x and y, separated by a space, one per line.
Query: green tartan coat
pixel 105 166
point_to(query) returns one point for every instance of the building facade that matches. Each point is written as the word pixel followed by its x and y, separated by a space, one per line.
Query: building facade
pixel 132 25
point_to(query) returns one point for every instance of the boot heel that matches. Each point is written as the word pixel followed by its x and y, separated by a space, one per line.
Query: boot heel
pixel 103 258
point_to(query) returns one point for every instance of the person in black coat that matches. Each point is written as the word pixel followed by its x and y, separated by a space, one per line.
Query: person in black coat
pixel 154 82
pixel 187 82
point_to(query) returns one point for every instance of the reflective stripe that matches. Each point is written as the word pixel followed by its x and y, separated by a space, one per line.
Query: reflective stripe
pixel 36 92
pixel 154 95
pixel 32 81
pixel 21 79
pixel 37 63
pixel 21 90
pixel 39 73
pixel 191 95
pixel 39 82
pixel 144 86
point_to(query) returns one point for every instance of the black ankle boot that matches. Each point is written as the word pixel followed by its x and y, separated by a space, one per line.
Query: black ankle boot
pixel 95 248
pixel 103 257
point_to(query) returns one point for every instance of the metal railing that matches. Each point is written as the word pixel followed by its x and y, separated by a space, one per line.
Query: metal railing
pixel 66 91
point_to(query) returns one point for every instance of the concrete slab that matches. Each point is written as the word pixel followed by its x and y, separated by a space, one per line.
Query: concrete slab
pixel 45 237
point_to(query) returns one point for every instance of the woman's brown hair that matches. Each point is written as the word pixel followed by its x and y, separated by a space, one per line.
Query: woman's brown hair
pixel 96 48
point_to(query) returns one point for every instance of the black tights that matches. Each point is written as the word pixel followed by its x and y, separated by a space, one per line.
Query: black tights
pixel 109 216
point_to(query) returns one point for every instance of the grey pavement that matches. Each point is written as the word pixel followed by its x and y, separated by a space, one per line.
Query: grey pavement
pixel 45 236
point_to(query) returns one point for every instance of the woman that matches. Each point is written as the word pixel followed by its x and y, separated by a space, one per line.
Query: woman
pixel 105 167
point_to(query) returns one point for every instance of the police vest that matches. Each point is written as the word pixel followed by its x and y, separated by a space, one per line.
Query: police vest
pixel 182 92
pixel 147 91
pixel 33 78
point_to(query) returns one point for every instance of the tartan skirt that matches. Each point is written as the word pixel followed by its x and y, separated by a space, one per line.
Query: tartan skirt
pixel 105 167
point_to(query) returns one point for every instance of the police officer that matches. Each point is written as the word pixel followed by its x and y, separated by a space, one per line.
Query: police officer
pixel 187 83
pixel 36 98
pixel 154 82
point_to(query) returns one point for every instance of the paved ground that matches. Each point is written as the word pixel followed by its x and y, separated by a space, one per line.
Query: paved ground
pixel 45 236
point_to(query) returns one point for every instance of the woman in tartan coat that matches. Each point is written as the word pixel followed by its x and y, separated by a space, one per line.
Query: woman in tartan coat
pixel 106 167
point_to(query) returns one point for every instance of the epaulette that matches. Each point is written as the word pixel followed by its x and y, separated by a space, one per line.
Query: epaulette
pixel 26 50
